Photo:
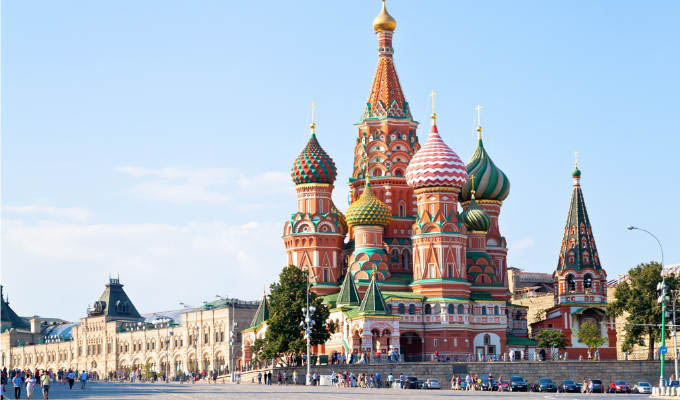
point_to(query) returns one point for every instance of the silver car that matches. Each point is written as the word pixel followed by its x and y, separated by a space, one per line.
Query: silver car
pixel 431 384
pixel 642 387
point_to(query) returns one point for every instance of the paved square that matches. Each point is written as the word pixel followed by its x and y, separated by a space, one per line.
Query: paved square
pixel 138 391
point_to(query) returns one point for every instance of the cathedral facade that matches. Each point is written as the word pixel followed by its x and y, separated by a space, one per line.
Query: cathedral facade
pixel 417 263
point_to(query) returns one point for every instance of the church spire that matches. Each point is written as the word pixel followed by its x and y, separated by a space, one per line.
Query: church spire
pixel 386 98
pixel 348 296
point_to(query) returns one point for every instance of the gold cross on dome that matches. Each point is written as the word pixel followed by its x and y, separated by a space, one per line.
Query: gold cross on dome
pixel 479 115
pixel 433 94
pixel 313 124
pixel 576 159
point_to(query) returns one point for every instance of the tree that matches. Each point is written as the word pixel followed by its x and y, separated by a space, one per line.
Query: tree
pixel 590 335
pixel 285 337
pixel 637 298
pixel 549 338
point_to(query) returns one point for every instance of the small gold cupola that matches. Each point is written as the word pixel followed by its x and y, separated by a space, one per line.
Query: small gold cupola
pixel 384 21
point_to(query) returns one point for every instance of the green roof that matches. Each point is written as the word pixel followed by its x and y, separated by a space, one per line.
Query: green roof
pixel 373 302
pixel 262 313
pixel 519 341
pixel 402 295
pixel 348 296
pixel 480 296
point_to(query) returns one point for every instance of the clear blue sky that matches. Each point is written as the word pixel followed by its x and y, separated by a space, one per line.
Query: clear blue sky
pixel 154 139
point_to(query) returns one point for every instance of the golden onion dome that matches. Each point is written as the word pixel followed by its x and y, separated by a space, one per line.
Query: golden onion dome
pixel 384 21
pixel 368 210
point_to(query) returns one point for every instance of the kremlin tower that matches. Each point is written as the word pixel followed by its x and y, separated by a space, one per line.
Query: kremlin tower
pixel 580 282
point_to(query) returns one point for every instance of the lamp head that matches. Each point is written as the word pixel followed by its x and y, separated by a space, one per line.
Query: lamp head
pixel 630 227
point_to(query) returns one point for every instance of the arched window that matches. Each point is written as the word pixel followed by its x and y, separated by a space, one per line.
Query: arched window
pixel 496 310
pixel 571 285
pixel 400 308
pixel 377 172
pixel 398 172
pixel 461 309
pixel 570 258
pixel 451 309
pixel 587 281
pixel 428 309
pixel 483 310
pixel 402 209
pixel 411 309
pixel 437 309
pixel 487 340
pixel 586 257
pixel 406 256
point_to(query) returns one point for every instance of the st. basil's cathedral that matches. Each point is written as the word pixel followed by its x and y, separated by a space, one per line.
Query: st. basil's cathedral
pixel 417 264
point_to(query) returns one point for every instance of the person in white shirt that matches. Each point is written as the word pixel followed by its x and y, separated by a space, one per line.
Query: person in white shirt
pixel 30 384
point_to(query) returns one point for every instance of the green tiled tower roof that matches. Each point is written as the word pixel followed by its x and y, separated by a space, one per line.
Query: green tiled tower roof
pixel 262 313
pixel 373 302
pixel 578 250
pixel 115 304
pixel 313 165
pixel 348 296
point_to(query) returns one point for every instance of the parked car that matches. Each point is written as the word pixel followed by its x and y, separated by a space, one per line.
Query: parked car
pixel 568 387
pixel 580 387
pixel 642 387
pixel 518 384
pixel 597 386
pixel 546 385
pixel 503 385
pixel 621 387
pixel 411 382
pixel 431 384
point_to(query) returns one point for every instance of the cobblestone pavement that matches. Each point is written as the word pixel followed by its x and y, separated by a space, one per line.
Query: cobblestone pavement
pixel 142 391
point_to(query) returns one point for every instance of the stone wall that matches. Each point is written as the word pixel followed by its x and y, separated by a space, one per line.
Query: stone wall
pixel 537 305
pixel 607 371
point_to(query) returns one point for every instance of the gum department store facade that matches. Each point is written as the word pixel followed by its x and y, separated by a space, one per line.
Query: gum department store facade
pixel 115 337
pixel 417 276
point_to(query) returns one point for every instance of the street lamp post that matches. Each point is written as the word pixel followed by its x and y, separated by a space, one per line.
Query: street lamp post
pixel 663 299
pixel 675 336
pixel 232 340
pixel 167 357
pixel 308 323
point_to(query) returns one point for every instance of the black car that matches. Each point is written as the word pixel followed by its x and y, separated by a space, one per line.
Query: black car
pixel 518 384
pixel 411 382
pixel 597 386
pixel 568 387
pixel 546 385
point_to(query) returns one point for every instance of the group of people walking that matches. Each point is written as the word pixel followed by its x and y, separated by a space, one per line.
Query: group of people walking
pixel 18 379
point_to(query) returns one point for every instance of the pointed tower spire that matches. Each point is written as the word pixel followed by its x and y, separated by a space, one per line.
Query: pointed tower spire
pixel 578 249
pixel 348 296
pixel 262 313
pixel 373 302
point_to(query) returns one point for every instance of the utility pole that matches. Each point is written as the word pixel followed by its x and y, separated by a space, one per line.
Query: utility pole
pixel 675 336
pixel 308 323
pixel 663 299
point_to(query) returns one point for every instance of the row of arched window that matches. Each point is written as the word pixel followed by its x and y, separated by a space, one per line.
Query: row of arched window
pixel 450 309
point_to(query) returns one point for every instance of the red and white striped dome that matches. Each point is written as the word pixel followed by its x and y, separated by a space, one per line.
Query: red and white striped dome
pixel 435 164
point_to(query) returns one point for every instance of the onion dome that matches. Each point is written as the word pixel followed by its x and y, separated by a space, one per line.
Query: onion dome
pixel 474 217
pixel 313 165
pixel 368 210
pixel 492 184
pixel 435 164
pixel 384 21
pixel 577 173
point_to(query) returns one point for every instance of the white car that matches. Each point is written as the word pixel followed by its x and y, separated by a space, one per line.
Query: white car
pixel 431 384
pixel 642 387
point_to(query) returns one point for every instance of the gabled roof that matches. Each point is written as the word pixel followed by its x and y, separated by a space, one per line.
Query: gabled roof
pixel 373 302
pixel 115 304
pixel 348 296
pixel 10 319
pixel 262 313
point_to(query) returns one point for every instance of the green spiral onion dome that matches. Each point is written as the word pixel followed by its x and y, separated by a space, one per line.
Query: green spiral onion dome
pixel 491 182
pixel 474 217
pixel 313 165
pixel 576 173
pixel 368 210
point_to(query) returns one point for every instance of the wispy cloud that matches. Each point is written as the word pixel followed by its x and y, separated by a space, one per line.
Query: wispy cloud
pixel 214 186
pixel 522 244
pixel 71 213
pixel 160 264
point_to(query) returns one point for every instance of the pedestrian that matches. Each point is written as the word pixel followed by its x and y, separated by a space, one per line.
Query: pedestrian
pixel 83 379
pixel 377 380
pixel 17 381
pixel 30 385
pixel 295 377
pixel 401 380
pixel 3 383
pixel 390 380
pixel 45 382
pixel 71 376
pixel 259 378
